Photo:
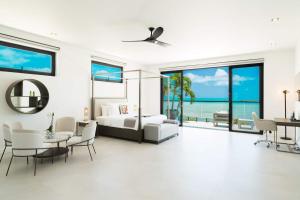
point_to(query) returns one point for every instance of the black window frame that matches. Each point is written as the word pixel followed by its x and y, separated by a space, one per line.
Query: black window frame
pixel 230 67
pixel 108 65
pixel 17 46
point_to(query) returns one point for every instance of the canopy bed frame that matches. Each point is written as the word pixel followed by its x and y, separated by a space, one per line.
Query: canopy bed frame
pixel 126 133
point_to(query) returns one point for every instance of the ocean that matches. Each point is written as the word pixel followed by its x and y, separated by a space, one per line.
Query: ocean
pixel 203 110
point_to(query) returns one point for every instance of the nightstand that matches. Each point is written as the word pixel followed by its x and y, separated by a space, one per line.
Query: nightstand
pixel 80 125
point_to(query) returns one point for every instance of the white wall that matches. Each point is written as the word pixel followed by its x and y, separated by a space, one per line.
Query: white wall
pixel 279 74
pixel 297 68
pixel 70 89
pixel 297 57
pixel 297 85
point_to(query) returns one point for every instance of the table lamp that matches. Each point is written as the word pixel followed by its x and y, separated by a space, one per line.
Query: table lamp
pixel 86 114
pixel 298 92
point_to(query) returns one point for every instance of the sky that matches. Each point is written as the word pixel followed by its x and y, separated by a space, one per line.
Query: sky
pixel 13 58
pixel 213 83
pixel 248 84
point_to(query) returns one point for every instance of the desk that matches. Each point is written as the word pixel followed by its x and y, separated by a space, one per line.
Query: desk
pixel 287 122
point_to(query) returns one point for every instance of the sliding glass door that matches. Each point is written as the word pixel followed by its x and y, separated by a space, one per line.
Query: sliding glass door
pixel 215 97
pixel 246 96
pixel 205 98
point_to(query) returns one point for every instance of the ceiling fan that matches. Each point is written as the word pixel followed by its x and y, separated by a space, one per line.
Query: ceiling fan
pixel 154 34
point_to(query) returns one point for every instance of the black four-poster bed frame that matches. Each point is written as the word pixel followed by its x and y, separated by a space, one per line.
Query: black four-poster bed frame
pixel 126 133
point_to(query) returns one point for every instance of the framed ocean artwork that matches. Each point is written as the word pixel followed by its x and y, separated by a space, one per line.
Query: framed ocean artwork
pixel 111 73
pixel 24 59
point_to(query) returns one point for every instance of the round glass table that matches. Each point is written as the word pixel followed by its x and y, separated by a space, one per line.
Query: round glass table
pixel 58 150
pixel 57 138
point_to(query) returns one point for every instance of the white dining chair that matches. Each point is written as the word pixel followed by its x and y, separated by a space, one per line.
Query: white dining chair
pixel 7 130
pixel 87 139
pixel 27 143
pixel 66 126
pixel 265 126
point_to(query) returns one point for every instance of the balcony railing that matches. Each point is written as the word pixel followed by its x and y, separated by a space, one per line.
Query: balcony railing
pixel 203 110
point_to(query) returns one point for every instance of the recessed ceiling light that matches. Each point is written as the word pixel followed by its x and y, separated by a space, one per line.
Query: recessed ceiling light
pixel 272 44
pixel 275 19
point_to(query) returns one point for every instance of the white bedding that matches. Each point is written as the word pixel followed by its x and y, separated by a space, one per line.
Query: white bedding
pixel 118 120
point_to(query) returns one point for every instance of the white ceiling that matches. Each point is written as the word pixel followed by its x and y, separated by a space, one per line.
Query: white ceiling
pixel 195 28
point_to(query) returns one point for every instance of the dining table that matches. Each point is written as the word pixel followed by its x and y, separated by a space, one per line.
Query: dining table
pixel 56 149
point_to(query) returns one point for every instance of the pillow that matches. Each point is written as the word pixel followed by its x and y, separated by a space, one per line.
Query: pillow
pixel 123 109
pixel 107 110
pixel 111 109
pixel 115 109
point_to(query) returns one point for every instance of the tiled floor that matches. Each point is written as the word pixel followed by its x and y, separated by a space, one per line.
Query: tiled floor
pixel 200 164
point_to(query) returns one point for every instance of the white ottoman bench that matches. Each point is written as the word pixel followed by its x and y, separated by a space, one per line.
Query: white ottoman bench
pixel 157 133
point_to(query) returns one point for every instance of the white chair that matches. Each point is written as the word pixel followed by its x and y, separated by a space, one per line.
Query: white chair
pixel 66 126
pixel 27 143
pixel 265 126
pixel 7 130
pixel 87 138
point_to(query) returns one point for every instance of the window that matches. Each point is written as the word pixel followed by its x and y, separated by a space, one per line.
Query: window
pixel 215 97
pixel 116 72
pixel 22 59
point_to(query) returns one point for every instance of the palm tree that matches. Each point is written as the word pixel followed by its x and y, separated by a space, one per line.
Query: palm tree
pixel 175 87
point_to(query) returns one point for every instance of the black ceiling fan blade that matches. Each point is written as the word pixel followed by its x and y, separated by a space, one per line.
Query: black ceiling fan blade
pixel 157 32
pixel 164 44
pixel 134 41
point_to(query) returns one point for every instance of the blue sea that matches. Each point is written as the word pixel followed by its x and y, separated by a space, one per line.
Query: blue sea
pixel 203 110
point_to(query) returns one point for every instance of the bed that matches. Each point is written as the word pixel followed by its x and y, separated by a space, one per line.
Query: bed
pixel 119 121
pixel 114 123
pixel 128 125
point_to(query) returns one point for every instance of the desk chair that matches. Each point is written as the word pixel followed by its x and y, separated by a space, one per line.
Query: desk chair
pixel 265 126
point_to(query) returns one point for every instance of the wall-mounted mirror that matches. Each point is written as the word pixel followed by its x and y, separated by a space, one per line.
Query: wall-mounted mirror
pixel 27 96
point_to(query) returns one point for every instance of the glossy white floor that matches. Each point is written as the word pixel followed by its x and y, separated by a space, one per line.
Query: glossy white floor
pixel 199 164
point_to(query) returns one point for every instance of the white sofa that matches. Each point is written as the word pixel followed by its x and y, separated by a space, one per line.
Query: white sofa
pixel 157 133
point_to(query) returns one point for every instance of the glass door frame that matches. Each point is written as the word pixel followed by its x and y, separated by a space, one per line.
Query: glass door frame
pixel 261 93
pixel 230 67
pixel 181 94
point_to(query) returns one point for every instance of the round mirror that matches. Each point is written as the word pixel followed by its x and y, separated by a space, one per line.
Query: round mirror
pixel 27 96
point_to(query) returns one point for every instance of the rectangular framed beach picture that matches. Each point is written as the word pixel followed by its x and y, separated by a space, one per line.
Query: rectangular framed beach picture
pixel 24 59
pixel 111 73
